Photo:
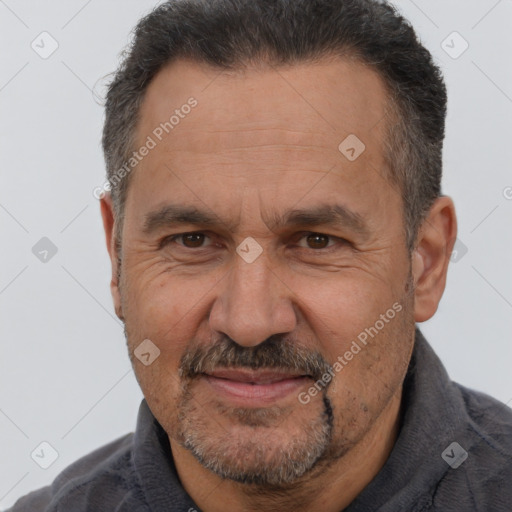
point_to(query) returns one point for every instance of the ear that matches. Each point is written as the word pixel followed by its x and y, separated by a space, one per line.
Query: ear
pixel 430 259
pixel 107 214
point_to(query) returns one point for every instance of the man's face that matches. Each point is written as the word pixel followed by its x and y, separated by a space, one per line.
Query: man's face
pixel 297 249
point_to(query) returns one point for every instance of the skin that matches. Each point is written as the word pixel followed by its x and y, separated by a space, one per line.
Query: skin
pixel 261 142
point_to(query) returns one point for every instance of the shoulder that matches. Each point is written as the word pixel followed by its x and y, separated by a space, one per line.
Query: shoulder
pixel 483 479
pixel 96 481
pixel 490 420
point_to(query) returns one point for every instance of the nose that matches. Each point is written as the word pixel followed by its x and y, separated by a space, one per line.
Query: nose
pixel 252 304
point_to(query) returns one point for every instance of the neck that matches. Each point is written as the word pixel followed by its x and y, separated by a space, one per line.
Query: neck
pixel 329 489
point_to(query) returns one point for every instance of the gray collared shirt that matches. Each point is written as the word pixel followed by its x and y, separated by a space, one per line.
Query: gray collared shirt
pixel 453 453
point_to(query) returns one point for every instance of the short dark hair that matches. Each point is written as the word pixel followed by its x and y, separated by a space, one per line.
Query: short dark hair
pixel 231 34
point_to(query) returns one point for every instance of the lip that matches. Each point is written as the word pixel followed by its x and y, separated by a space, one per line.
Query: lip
pixel 254 388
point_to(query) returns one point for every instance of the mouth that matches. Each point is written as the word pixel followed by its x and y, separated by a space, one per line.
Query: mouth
pixel 254 387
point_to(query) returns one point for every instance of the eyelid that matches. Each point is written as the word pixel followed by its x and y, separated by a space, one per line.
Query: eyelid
pixel 172 238
pixel 335 239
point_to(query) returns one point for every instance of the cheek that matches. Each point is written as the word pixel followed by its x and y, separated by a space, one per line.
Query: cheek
pixel 172 312
pixel 159 303
pixel 156 310
pixel 340 308
pixel 367 330
pixel 373 371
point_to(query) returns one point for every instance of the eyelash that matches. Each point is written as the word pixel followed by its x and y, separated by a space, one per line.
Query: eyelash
pixel 168 240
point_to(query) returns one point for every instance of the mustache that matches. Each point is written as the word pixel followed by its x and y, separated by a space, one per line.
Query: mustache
pixel 276 352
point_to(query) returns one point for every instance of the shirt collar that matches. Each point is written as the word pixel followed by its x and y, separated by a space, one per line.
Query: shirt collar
pixel 154 466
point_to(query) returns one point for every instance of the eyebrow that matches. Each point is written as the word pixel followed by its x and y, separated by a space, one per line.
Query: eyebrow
pixel 177 214
pixel 334 215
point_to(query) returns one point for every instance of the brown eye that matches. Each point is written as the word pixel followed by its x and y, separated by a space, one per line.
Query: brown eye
pixel 317 241
pixel 193 240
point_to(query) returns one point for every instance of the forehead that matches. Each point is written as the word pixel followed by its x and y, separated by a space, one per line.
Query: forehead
pixel 262 127
pixel 329 95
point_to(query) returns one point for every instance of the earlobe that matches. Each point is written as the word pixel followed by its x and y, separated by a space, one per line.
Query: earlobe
pixel 431 257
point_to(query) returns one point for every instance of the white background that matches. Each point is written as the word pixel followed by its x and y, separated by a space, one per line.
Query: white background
pixel 65 376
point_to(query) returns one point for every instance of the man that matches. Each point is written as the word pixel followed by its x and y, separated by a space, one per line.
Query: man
pixel 276 228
